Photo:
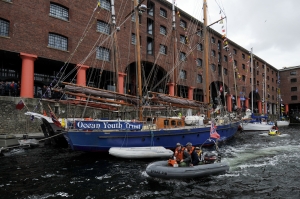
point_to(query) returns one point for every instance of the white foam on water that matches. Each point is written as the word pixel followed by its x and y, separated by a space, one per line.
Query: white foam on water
pixel 246 157
pixel 103 177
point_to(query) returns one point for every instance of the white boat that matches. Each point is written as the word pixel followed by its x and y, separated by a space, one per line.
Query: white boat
pixel 256 126
pixel 141 152
pixel 283 123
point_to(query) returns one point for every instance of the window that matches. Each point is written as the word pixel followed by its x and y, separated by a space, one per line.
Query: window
pixel 182 56
pixel 151 9
pixel 219 45
pixel 257 83
pixel 235 62
pixel 272 80
pixel 213 67
pixel 133 18
pixel 199 79
pixel 199 33
pixel 199 62
pixel 272 88
pixel 219 57
pixel 58 41
pixel 163 30
pixel 163 49
pixel 103 27
pixel 243 78
pixel 163 12
pixel 213 40
pixel 150 26
pixel 268 69
pixel 199 47
pixel 243 56
pixel 225 70
pixel 293 88
pixel 105 4
pixel 257 72
pixel 272 97
pixel 182 23
pixel 294 97
pixel 149 46
pixel 268 77
pixel 250 81
pixel 103 54
pixel 59 11
pixel 234 51
pixel 133 38
pixel 219 70
pixel 225 58
pixel 213 53
pixel 182 39
pixel 182 74
pixel 4 28
pixel 243 66
pixel 293 73
pixel 272 72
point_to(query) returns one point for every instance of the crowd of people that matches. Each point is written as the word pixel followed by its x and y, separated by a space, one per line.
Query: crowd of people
pixel 188 155
pixel 10 88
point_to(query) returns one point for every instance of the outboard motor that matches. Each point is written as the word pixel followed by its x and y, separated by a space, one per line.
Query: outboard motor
pixel 210 158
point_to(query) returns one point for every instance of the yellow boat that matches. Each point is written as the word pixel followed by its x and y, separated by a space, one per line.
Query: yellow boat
pixel 273 132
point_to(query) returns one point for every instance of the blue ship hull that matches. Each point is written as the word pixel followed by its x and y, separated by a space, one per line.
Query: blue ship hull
pixel 101 141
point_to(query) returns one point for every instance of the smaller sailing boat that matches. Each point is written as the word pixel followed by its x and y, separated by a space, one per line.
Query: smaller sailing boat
pixel 252 122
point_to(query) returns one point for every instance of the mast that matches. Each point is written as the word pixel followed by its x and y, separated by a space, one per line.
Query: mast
pixel 234 78
pixel 175 49
pixel 279 97
pixel 138 57
pixel 115 60
pixel 265 85
pixel 207 96
pixel 251 66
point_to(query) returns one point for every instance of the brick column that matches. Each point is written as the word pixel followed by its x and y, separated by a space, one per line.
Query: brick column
pixel 171 88
pixel 238 102
pixel 259 106
pixel 81 77
pixel 81 74
pixel 286 108
pixel 190 93
pixel 121 82
pixel 229 103
pixel 27 76
pixel 247 103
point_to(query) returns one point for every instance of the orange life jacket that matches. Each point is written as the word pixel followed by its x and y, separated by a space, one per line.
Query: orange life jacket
pixel 179 154
pixel 192 149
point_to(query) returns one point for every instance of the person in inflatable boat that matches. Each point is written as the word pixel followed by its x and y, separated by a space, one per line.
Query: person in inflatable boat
pixel 275 126
pixel 194 154
pixel 182 156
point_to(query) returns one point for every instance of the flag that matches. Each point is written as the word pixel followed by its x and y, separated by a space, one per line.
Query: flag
pixel 20 105
pixel 221 88
pixel 44 113
pixel 55 120
pixel 213 131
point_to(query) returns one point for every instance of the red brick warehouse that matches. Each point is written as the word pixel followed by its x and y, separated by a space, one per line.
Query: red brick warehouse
pixel 36 40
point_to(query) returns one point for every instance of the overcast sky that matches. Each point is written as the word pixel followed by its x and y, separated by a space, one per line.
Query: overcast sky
pixel 270 27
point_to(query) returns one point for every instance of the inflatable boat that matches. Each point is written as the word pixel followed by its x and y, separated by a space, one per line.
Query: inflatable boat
pixel 161 169
pixel 141 152
pixel 273 132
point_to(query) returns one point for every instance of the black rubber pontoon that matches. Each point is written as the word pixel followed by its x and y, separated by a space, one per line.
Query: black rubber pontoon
pixel 161 169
